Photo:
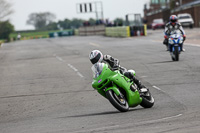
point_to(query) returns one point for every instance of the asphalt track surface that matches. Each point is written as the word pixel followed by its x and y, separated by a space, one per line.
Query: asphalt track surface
pixel 45 87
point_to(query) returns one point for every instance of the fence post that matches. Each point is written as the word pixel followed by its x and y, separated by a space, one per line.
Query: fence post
pixel 145 29
pixel 128 31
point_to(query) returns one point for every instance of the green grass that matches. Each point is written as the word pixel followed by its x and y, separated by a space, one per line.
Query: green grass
pixel 26 35
pixel 32 34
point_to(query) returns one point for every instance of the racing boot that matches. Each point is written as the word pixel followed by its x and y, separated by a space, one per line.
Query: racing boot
pixel 134 79
pixel 165 42
pixel 137 82
pixel 182 49
pixel 141 88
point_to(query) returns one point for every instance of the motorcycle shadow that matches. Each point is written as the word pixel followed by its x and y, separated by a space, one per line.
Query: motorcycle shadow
pixel 103 113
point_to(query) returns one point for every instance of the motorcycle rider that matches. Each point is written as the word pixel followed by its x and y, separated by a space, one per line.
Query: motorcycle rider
pixel 172 26
pixel 96 56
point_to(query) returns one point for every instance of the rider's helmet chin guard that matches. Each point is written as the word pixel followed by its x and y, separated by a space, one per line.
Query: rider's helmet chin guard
pixel 96 56
pixel 173 19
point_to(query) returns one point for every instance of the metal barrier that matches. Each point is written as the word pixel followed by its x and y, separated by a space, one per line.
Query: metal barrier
pixel 126 31
pixel 91 30
pixel 120 31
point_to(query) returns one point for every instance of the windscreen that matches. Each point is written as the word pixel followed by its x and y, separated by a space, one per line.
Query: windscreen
pixel 97 69
pixel 175 32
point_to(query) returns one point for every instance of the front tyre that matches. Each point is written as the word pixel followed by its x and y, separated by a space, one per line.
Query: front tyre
pixel 176 53
pixel 147 99
pixel 118 102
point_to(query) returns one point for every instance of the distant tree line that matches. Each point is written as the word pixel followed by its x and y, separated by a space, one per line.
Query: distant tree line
pixel 46 21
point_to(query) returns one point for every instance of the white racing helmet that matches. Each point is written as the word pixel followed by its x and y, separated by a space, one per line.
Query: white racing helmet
pixel 96 56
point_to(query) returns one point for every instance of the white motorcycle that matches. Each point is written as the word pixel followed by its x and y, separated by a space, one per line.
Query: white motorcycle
pixel 175 43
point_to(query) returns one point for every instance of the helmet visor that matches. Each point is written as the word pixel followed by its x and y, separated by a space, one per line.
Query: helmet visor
pixel 96 59
pixel 173 20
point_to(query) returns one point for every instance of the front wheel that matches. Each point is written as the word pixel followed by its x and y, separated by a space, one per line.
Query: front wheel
pixel 176 53
pixel 147 99
pixel 118 102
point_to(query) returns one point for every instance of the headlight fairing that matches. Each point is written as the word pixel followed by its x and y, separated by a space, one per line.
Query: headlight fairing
pixel 180 40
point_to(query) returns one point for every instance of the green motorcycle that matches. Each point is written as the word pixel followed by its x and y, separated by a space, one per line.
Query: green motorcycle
pixel 119 89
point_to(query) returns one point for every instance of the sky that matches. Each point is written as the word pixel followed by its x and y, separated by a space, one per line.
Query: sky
pixel 67 9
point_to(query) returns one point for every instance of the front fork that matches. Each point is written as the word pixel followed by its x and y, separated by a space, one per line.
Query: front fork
pixel 171 48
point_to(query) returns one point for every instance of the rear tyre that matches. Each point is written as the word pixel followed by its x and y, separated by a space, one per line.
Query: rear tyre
pixel 147 100
pixel 119 103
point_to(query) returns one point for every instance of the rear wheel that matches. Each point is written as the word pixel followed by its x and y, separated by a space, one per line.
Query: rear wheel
pixel 119 102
